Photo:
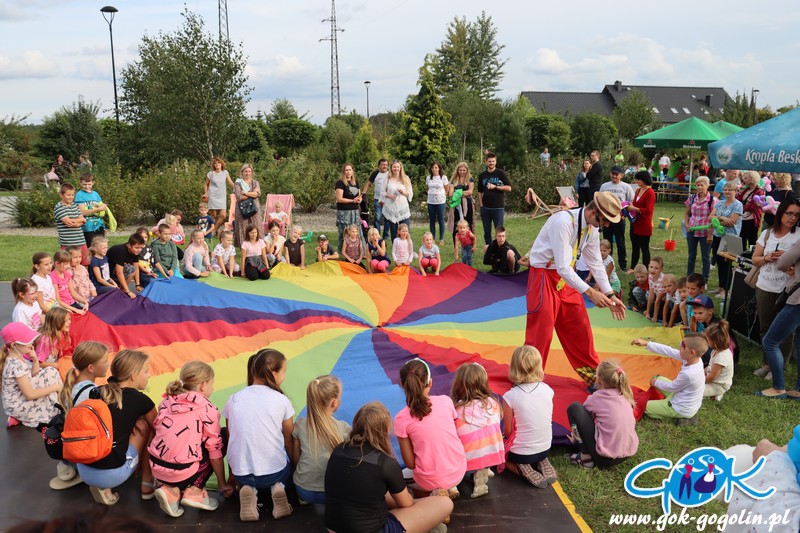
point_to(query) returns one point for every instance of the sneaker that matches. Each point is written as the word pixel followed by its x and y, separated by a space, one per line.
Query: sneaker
pixel 687 421
pixel 548 471
pixel 60 484
pixel 761 371
pixel 534 478
pixel 718 397
pixel 491 473
pixel 481 487
pixel 168 502
pixel 280 505
pixel 248 504
pixel 12 422
pixel 65 471
pixel 199 501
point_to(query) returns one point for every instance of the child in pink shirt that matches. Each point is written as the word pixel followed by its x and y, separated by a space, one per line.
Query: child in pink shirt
pixel 426 431
pixel 183 460
pixel 604 427
pixel 64 285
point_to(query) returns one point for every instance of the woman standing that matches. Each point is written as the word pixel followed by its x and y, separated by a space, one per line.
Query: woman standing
pixel 729 213
pixel 437 198
pixel 782 189
pixel 771 281
pixel 582 183
pixel 216 193
pixel 246 187
pixel 396 198
pixel 348 198
pixel 644 203
pixel 786 261
pixel 751 217
pixel 465 210
pixel 698 213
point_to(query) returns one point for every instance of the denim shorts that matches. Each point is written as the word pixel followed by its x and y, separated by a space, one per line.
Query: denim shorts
pixel 114 477
pixel 393 525
pixel 310 496
pixel 266 481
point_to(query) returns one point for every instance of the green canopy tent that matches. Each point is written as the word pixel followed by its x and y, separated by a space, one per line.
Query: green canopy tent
pixel 727 128
pixel 692 133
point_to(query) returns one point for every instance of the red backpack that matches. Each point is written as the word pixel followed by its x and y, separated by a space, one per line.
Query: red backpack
pixel 88 434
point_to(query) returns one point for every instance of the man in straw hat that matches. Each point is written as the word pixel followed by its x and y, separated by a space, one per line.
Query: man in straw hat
pixel 554 289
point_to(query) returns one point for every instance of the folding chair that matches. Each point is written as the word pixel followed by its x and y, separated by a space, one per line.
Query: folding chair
pixel 568 197
pixel 540 209
pixel 287 203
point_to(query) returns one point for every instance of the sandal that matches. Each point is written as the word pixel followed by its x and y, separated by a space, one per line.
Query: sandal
pixel 153 485
pixel 577 459
pixel 442 492
pixel 104 496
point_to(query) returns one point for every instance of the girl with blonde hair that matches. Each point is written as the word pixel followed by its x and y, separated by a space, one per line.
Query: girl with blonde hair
pixel 315 436
pixel 604 427
pixel 465 209
pixel 396 198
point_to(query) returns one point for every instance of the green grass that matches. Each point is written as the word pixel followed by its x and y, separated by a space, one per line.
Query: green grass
pixel 739 418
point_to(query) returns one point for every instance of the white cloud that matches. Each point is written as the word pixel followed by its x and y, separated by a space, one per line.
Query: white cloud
pixel 547 61
pixel 29 64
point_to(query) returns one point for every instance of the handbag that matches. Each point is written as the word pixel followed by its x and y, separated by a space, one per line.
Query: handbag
pixel 752 277
pixel 783 298
pixel 247 207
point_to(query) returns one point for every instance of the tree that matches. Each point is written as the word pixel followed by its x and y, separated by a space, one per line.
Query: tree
pixel 337 136
pixel 425 126
pixel 634 115
pixel 741 111
pixel 291 134
pixel 510 144
pixel 363 151
pixel 186 95
pixel 551 131
pixel 474 118
pixel 469 57
pixel 70 131
pixel 591 131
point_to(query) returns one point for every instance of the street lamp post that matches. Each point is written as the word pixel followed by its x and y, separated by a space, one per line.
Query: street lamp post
pixel 108 14
pixel 367 84
pixel 753 96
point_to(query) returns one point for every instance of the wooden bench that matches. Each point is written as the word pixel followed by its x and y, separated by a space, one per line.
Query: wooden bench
pixel 669 189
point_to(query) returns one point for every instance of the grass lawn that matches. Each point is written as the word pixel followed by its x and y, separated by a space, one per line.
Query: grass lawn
pixel 739 418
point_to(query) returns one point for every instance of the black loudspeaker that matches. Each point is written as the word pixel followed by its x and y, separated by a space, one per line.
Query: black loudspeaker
pixel 741 310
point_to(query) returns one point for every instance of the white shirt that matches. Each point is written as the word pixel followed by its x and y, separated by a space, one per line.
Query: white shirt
pixel 46 287
pixel 532 404
pixel 723 358
pixel 770 279
pixel 380 185
pixel 664 162
pixel 30 315
pixel 688 387
pixel 436 192
pixel 554 245
pixel 255 417
pixel 621 190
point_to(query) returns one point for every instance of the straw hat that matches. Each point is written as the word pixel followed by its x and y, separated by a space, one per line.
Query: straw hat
pixel 608 205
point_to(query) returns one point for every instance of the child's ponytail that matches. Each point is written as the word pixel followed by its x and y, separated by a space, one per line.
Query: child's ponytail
pixel 193 374
pixel 262 366
pixel 718 335
pixel 21 286
pixel 126 364
pixel 86 353
pixel 415 376
pixel 612 376
pixel 321 427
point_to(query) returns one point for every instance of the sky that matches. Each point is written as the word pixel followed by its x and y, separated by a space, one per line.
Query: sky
pixel 56 51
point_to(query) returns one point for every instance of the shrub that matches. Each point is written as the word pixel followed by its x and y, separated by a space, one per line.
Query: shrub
pixel 119 194
pixel 35 209
pixel 543 180
pixel 308 176
pixel 176 186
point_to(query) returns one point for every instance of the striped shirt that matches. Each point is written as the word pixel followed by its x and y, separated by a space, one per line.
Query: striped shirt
pixel 68 236
pixel 479 431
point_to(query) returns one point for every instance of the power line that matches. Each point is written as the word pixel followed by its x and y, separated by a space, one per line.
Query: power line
pixel 336 108
pixel 224 36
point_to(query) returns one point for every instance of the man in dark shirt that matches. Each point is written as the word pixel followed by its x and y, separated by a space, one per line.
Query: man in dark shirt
pixel 501 254
pixel 595 174
pixel 120 255
pixel 493 183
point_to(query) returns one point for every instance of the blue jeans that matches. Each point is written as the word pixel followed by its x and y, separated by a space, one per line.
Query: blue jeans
pixel 466 255
pixel 310 496
pixel 705 254
pixel 394 225
pixel 377 221
pixel 786 323
pixel 436 213
pixel 114 477
pixel 491 215
pixel 265 482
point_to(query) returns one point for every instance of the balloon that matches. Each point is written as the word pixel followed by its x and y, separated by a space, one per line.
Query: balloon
pixel 699 228
pixel 717 225
pixel 765 184
pixel 630 214
pixel 767 203
pixel 456 198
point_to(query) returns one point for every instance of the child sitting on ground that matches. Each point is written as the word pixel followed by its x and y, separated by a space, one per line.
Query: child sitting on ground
pixel 223 258
pixel 426 431
pixel 528 414
pixel 187 446
pixel 608 262
pixel 148 265
pixel 30 392
pixel 173 220
pixel 324 250
pixel 279 217
pixel 403 247
pixel 695 286
pixel 83 284
pixel 254 256
pixel 465 241
pixel 719 372
pixel 501 254
pixel 478 424
pixel 27 309
pixel 638 288
pixel 604 427
pixel 670 294
pixel 165 254
pixel 429 256
pixel 315 437
pixel 295 248
pixel 655 280
pixel 54 341
pixel 353 248
pixel 99 270
pixel 196 260
pixel 275 242
pixel 684 396
pixel 65 286
pixel 205 222
pixel 40 275
pixel 378 262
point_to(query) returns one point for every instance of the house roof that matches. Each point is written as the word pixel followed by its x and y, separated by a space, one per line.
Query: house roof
pixel 670 104
pixel 568 103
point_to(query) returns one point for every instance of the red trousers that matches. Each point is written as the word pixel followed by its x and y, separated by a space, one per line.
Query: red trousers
pixel 563 311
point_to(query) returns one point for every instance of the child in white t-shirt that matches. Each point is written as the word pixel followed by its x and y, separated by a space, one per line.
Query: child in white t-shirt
pixel 40 275
pixel 223 258
pixel 27 309
pixel 719 372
